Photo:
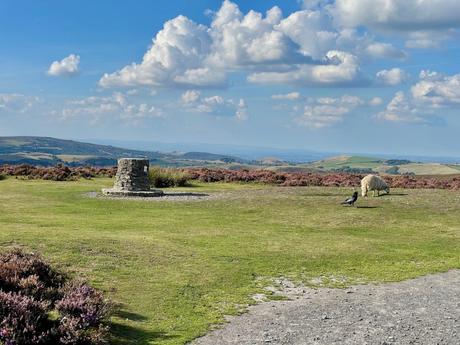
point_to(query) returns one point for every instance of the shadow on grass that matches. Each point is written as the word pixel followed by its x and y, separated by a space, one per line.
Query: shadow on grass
pixel 367 207
pixel 124 314
pixel 391 194
pixel 128 335
pixel 123 334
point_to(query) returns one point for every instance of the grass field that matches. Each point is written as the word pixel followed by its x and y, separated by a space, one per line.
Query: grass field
pixel 428 169
pixel 176 268
pixel 379 165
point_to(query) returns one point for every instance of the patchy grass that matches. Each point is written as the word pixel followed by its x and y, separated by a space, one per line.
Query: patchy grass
pixel 176 268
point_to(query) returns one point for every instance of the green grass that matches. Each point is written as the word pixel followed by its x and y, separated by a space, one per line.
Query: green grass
pixel 428 169
pixel 350 161
pixel 176 268
pixel 378 165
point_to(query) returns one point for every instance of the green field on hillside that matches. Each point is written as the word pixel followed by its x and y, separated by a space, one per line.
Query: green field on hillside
pixel 383 166
pixel 176 268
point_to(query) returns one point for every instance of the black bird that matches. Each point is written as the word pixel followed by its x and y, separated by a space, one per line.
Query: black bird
pixel 351 201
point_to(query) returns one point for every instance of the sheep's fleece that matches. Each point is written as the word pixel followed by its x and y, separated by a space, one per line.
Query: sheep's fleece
pixel 373 183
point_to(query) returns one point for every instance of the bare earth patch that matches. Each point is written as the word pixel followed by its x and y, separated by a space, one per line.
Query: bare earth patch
pixel 425 310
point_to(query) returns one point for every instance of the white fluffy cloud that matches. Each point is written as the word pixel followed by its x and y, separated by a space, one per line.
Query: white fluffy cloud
pixel 400 109
pixel 287 96
pixel 190 96
pixel 437 89
pixel 342 69
pixel 68 66
pixel 116 106
pixel 375 102
pixel 176 57
pixel 385 50
pixel 410 15
pixel 193 101
pixel 391 77
pixel 432 92
pixel 327 111
pixel 303 48
pixel 424 22
pixel 245 40
pixel 14 103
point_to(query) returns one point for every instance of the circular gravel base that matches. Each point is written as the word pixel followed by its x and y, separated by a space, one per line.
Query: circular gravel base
pixel 159 197
pixel 128 193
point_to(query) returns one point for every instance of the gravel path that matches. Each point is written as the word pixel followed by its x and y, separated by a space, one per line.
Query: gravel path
pixel 425 310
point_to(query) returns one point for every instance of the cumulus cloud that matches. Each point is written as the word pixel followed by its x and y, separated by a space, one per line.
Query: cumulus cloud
pixel 176 57
pixel 240 40
pixel 342 69
pixel 425 39
pixel 193 101
pixel 424 23
pixel 376 101
pixel 287 96
pixel 401 109
pixel 407 15
pixel 385 50
pixel 433 91
pixel 328 111
pixel 115 106
pixel 391 77
pixel 305 48
pixel 15 103
pixel 437 89
pixel 190 96
pixel 68 66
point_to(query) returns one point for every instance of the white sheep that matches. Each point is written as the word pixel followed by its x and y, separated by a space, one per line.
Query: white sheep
pixel 373 183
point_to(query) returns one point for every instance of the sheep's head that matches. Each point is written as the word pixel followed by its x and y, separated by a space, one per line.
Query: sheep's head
pixel 387 190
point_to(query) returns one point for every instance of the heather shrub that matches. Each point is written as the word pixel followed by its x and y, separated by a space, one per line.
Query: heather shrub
pixel 31 290
pixel 168 177
pixel 338 179
pixel 24 320
pixel 29 275
pixel 2 176
pixel 56 173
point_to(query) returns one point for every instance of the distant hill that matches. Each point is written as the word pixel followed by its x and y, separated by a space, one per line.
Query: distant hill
pixel 204 156
pixel 358 164
pixel 45 151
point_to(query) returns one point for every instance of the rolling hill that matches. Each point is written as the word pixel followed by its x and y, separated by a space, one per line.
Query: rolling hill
pixel 360 164
pixel 45 151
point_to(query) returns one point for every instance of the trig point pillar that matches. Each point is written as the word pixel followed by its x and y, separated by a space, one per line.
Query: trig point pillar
pixel 132 179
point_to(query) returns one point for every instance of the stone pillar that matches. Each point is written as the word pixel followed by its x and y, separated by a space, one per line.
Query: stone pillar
pixel 132 174
pixel 132 179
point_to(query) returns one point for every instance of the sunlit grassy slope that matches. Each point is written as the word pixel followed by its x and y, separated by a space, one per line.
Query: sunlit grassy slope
pixel 176 268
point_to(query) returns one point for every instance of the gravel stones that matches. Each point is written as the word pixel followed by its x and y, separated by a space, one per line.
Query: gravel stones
pixel 420 311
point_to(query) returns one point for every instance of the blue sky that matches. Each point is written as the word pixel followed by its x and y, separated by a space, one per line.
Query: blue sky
pixel 346 75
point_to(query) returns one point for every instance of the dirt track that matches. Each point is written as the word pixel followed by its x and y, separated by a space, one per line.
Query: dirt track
pixel 425 310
